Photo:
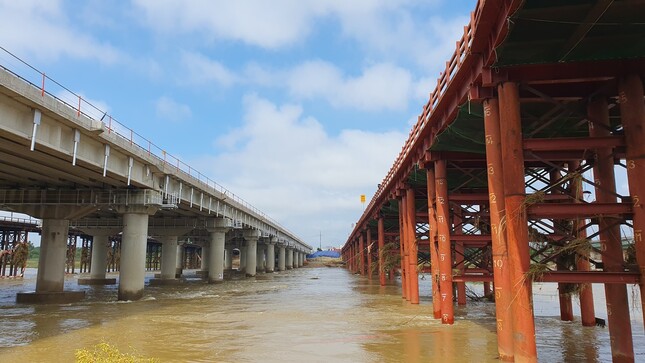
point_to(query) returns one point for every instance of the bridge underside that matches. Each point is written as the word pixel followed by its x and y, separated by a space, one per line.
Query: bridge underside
pixel 525 165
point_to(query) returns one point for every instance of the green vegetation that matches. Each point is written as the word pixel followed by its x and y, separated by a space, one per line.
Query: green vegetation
pixel 106 353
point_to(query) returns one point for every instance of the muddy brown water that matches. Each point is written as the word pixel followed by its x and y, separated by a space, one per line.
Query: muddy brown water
pixel 304 315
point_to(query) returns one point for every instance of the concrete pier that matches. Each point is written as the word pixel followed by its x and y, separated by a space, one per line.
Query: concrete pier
pixel 270 255
pixel 217 233
pixel 228 257
pixel 98 267
pixel 251 236
pixel 289 258
pixel 204 267
pixel 260 258
pixel 281 257
pixel 51 267
pixel 133 255
pixel 179 262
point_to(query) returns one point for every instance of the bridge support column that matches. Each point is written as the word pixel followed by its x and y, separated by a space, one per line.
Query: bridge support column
pixel 243 255
pixel 632 113
pixel 432 240
pixel 404 252
pixel 301 261
pixel 413 273
pixel 289 258
pixel 98 268
pixel 587 311
pixel 251 236
pixel 168 257
pixel 369 249
pixel 619 324
pixel 271 255
pixel 51 267
pixel 217 233
pixel 133 253
pixel 516 222
pixel 228 257
pixel 361 253
pixel 501 268
pixel 443 236
pixel 204 266
pixel 381 247
pixel 179 262
pixel 281 257
pixel 260 259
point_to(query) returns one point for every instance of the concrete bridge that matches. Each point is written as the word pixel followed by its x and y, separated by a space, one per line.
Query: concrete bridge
pixel 494 182
pixel 70 169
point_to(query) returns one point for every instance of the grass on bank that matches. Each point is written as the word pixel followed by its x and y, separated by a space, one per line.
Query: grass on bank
pixel 106 353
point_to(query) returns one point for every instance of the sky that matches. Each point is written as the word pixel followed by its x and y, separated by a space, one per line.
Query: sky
pixel 298 107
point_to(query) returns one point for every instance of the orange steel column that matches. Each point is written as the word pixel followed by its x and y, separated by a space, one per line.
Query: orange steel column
pixel 619 324
pixel 632 113
pixel 587 311
pixel 413 272
pixel 352 257
pixel 516 222
pixel 501 267
pixel 404 265
pixel 381 247
pixel 443 236
pixel 566 307
pixel 432 237
pixel 361 253
pixel 405 236
pixel 459 259
pixel 369 253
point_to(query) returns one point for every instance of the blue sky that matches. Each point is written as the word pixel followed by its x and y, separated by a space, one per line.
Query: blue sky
pixel 299 107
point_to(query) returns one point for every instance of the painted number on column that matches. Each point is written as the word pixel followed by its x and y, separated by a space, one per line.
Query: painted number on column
pixel 631 164
pixel 492 197
pixel 638 235
pixel 499 263
pixel 637 201
pixel 491 169
pixel 622 97
pixel 442 256
pixel 489 139
pixel 441 200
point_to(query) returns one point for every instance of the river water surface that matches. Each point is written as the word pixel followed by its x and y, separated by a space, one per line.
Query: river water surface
pixel 303 315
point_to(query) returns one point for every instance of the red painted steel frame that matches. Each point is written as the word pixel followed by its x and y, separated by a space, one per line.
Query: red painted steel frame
pixel 413 274
pixel 587 310
pixel 432 238
pixel 443 236
pixel 369 253
pixel 361 253
pixel 516 222
pixel 632 111
pixel 404 285
pixel 502 277
pixel 381 246
pixel 619 324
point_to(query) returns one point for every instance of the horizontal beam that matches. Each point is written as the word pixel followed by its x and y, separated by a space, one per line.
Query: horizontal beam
pixel 577 210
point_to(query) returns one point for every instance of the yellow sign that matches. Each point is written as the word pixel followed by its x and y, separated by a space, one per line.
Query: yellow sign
pixel 362 198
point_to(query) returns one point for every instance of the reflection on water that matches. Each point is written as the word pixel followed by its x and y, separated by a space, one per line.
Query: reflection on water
pixel 304 315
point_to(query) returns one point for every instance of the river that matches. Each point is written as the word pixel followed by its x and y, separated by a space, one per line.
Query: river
pixel 304 315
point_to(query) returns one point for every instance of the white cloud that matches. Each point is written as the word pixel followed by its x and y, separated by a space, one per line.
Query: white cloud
pixel 380 87
pixel 40 29
pixel 268 24
pixel 169 109
pixel 289 167
pixel 198 69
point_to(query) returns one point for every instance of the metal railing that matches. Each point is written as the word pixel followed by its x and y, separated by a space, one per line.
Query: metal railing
pixel 82 106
